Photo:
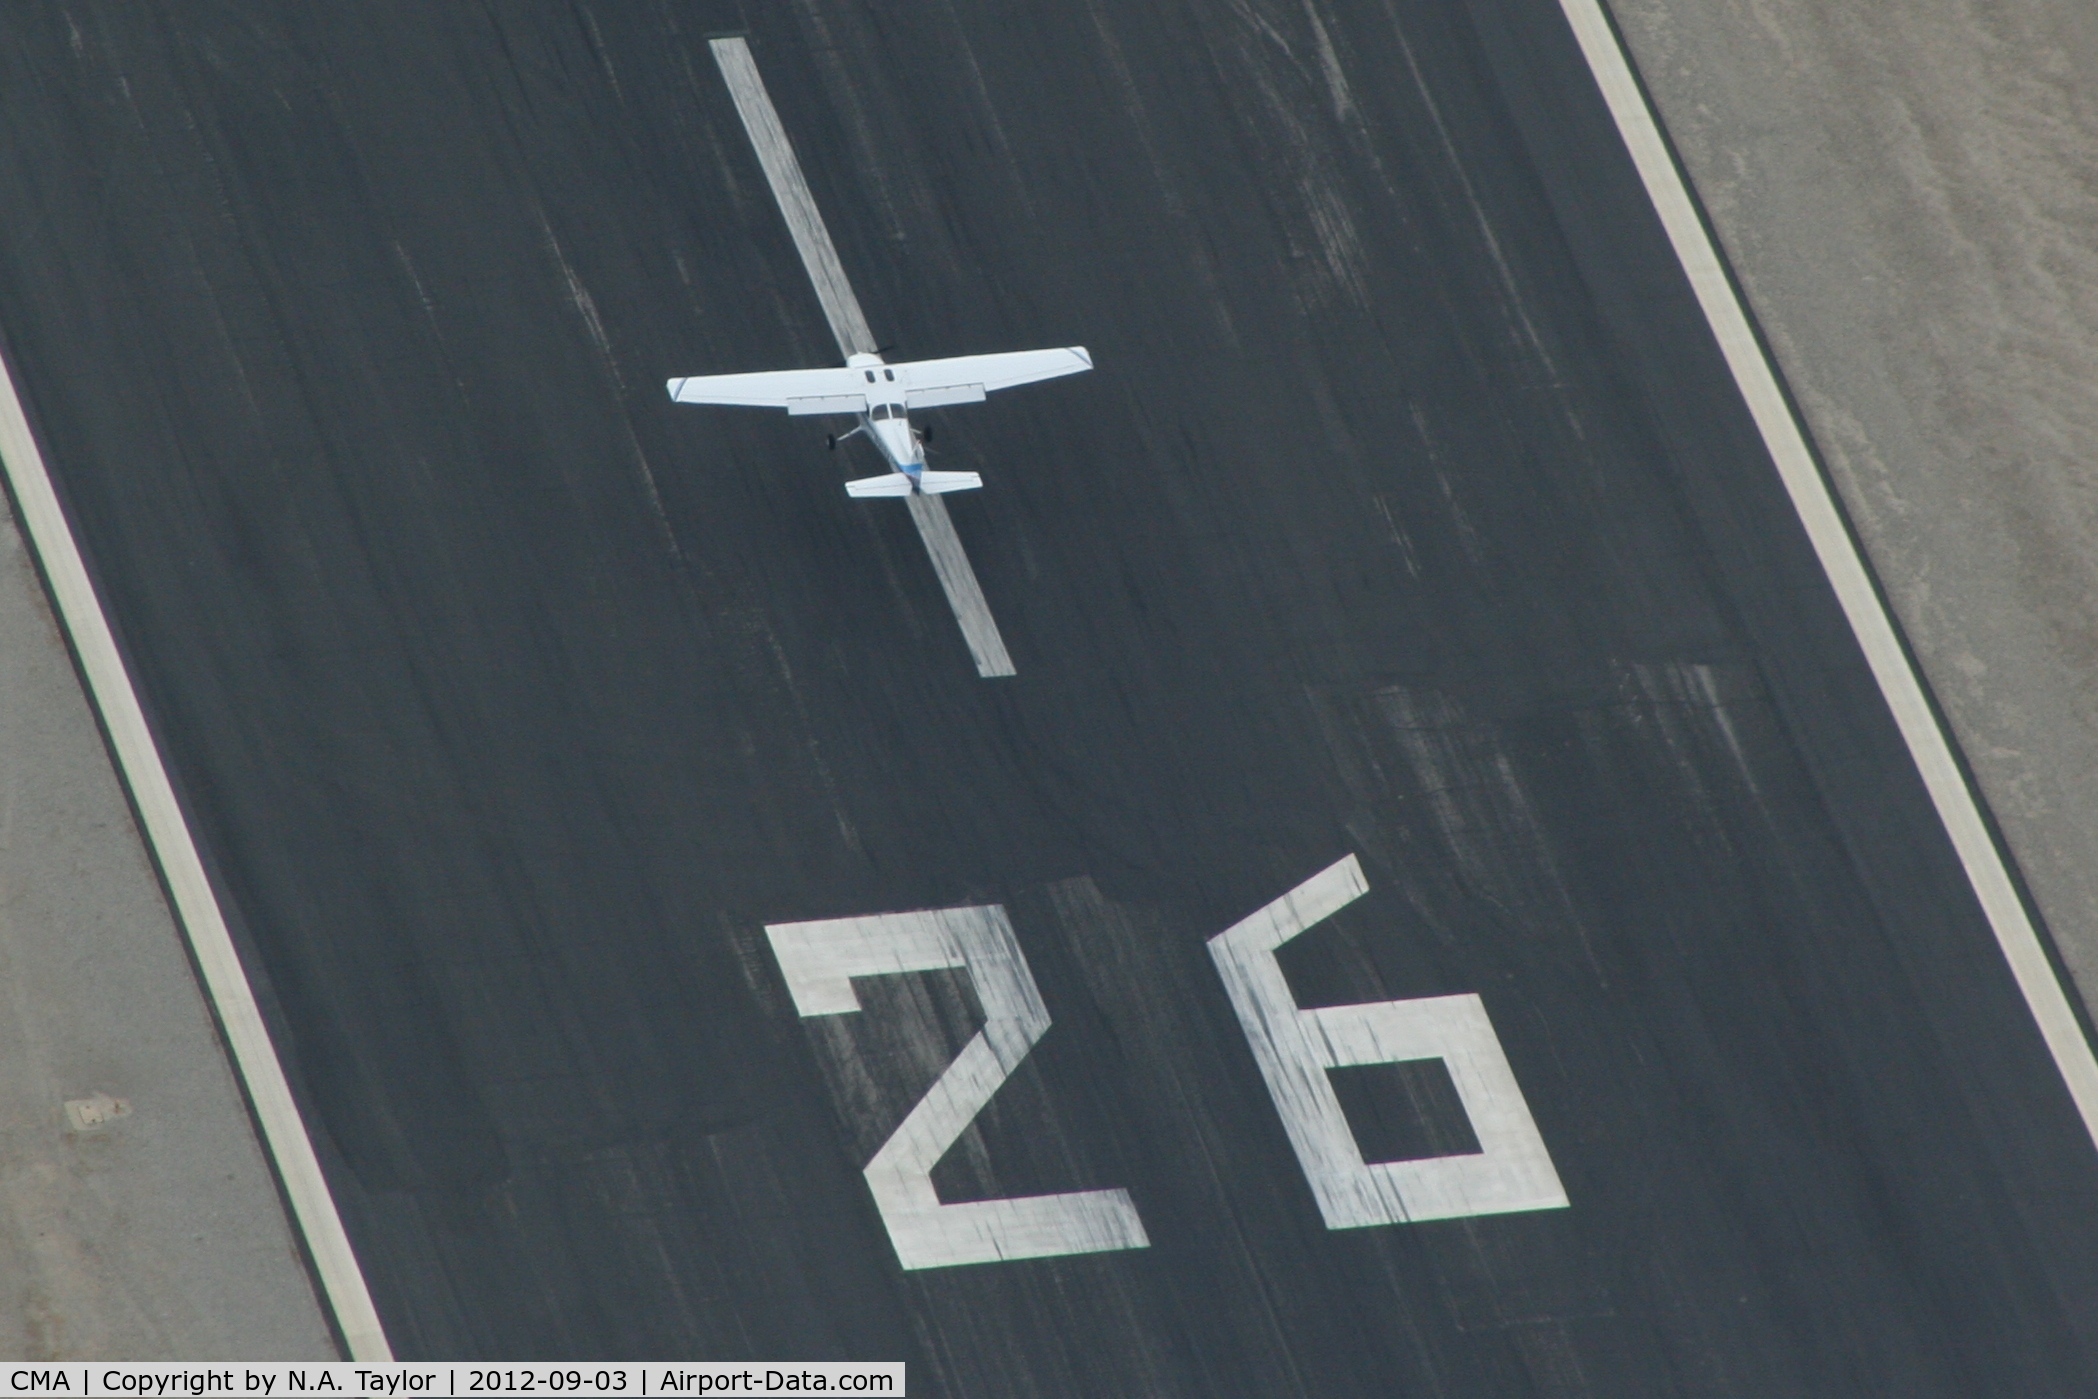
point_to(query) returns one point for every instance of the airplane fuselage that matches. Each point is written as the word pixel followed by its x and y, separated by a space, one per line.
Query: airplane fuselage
pixel 887 420
pixel 891 429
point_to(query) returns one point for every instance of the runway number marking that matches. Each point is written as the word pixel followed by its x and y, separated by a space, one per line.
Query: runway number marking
pixel 1293 1048
pixel 819 961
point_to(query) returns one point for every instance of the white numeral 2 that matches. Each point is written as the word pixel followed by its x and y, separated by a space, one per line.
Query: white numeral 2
pixel 1294 1048
pixel 819 961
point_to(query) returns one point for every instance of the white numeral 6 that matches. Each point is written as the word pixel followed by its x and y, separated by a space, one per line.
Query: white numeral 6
pixel 1294 1048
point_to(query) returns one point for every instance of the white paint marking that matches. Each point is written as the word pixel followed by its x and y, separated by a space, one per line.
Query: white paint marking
pixel 783 172
pixel 1840 560
pixel 849 324
pixel 196 905
pixel 958 580
pixel 819 961
pixel 1294 1048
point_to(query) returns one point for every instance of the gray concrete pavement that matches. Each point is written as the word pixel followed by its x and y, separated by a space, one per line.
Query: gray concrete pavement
pixel 1909 196
pixel 137 1217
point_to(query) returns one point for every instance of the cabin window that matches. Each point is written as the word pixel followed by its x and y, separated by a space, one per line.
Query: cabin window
pixel 870 376
pixel 889 374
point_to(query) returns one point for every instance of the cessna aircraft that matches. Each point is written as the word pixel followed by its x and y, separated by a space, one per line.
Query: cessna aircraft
pixel 882 396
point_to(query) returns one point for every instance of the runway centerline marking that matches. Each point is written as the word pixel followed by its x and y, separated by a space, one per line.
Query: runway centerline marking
pixel 196 905
pixel 958 581
pixel 1930 747
pixel 841 307
pixel 791 190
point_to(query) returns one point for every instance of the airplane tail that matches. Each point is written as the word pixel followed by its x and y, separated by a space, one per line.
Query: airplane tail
pixel 895 483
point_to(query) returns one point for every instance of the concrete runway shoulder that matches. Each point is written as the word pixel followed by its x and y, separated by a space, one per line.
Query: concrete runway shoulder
pixel 138 1219
pixel 1906 206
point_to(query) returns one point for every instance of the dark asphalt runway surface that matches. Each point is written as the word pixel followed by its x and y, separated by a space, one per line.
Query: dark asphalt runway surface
pixel 1408 513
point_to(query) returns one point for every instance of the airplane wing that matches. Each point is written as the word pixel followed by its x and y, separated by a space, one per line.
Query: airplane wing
pixel 935 383
pixel 799 391
pixel 926 383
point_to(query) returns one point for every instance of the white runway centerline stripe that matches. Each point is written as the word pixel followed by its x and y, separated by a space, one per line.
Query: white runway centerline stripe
pixel 849 324
pixel 1811 497
pixel 196 906
pixel 783 172
pixel 958 580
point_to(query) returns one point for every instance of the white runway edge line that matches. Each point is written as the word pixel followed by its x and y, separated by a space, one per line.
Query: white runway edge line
pixel 849 324
pixel 196 905
pixel 1846 570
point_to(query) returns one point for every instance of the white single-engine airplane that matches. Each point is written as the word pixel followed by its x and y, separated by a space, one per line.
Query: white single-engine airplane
pixel 882 396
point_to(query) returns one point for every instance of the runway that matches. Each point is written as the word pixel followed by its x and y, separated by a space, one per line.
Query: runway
pixel 1408 517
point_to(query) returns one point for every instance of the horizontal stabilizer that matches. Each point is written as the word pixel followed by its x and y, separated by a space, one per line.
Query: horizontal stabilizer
pixel 895 483
pixel 941 482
